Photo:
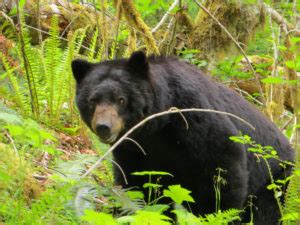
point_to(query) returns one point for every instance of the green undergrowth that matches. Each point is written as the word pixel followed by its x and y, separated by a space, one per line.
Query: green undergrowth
pixel 42 183
pixel 39 187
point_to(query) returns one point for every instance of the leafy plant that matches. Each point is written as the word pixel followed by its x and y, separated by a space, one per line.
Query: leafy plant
pixel 277 186
pixel 47 91
pixel 152 187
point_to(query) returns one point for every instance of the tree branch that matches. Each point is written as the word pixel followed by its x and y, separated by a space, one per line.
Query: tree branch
pixel 280 20
pixel 164 18
pixel 151 117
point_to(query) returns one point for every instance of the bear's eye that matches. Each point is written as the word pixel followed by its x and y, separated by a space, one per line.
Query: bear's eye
pixel 92 100
pixel 122 100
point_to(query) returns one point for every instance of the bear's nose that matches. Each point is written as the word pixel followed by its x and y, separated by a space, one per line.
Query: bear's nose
pixel 103 130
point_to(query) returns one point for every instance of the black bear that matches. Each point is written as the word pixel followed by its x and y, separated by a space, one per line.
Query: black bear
pixel 113 96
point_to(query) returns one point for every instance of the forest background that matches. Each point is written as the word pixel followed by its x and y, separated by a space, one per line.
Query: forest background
pixel 253 46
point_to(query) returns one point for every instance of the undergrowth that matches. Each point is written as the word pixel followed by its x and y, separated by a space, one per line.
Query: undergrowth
pixel 39 184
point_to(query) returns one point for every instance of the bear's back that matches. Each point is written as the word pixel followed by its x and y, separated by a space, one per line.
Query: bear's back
pixel 199 90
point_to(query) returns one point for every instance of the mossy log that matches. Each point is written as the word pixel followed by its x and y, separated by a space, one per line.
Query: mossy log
pixel 240 19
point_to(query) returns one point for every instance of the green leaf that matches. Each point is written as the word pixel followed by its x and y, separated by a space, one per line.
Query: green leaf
pixel 98 218
pixel 151 185
pixel 152 173
pixel 10 118
pixel 255 150
pixel 273 80
pixel 297 172
pixel 185 217
pixel 135 195
pixel 273 152
pixel 241 139
pixel 290 64
pixel 290 216
pixel 272 186
pixel 4 177
pixel 178 194
pixel 156 208
pixel 125 220
pixel 149 218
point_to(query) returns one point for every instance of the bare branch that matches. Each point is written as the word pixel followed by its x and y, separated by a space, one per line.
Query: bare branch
pixel 137 144
pixel 280 20
pixel 151 117
pixel 246 94
pixel 120 168
pixel 12 143
pixel 164 18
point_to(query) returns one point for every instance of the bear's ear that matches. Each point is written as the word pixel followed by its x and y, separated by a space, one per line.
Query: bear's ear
pixel 80 68
pixel 138 62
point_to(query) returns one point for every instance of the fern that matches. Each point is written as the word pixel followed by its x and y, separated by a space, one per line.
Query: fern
pixel 9 116
pixel 52 59
pixel 78 39
pixel 92 46
pixel 30 64
pixel 223 217
pixel 18 91
pixel 292 202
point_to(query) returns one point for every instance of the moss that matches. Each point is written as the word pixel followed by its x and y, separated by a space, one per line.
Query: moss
pixel 134 18
pixel 241 20
pixel 131 42
pixel 17 181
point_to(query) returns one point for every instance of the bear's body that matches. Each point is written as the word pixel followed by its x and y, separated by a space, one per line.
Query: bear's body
pixel 113 96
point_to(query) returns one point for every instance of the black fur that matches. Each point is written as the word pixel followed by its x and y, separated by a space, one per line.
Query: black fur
pixel 153 85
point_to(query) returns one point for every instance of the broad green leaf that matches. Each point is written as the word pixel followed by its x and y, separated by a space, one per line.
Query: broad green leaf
pixel 272 186
pixel 10 118
pixel 156 208
pixel 152 173
pixel 185 217
pixel 273 80
pixel 178 194
pixel 151 185
pixel 290 64
pixel 98 218
pixel 290 216
pixel 149 218
pixel 135 194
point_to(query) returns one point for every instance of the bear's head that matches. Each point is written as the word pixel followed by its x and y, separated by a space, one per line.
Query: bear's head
pixel 112 96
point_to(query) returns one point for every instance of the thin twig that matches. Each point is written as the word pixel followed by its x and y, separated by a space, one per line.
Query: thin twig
pixel 164 18
pixel 285 125
pixel 39 21
pixel 170 111
pixel 120 168
pixel 12 142
pixel 249 95
pixel 280 20
pixel 137 144
pixel 237 45
pixel 9 19
pixel 61 38
pixel 183 117
pixel 169 46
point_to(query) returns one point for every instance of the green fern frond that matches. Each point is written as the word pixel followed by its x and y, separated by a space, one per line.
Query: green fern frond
pixel 30 64
pixel 78 38
pixel 18 91
pixel 93 45
pixel 66 92
pixel 223 217
pixel 73 169
pixel 292 201
pixel 52 55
